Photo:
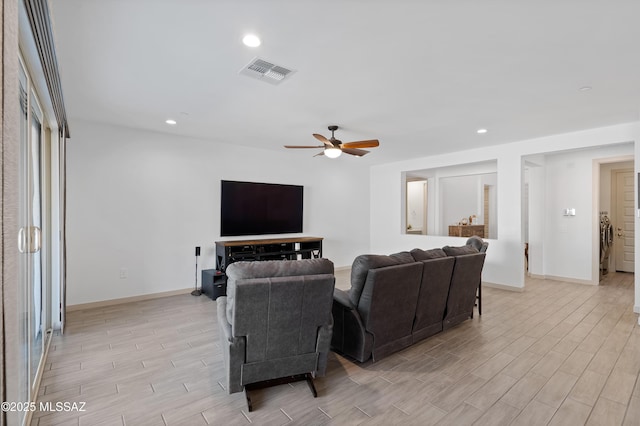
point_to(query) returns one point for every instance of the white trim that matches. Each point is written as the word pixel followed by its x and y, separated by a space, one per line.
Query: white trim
pixel 143 297
pixel 55 217
pixel 565 279
pixel 503 287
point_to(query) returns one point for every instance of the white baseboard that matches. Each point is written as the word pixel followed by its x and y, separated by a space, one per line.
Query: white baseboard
pixel 503 287
pixel 636 309
pixel 569 280
pixel 536 276
pixel 565 279
pixel 103 303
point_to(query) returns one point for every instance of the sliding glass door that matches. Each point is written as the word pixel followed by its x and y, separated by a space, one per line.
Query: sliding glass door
pixel 32 302
pixel 36 316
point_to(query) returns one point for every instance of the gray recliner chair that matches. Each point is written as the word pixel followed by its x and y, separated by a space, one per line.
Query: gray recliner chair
pixel 275 322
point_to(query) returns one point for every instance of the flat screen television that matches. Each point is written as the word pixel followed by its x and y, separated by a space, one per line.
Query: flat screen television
pixel 249 208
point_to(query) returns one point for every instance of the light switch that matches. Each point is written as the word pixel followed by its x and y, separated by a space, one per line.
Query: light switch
pixel 569 212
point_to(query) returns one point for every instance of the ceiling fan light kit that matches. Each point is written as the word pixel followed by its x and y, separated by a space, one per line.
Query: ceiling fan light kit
pixel 333 147
pixel 333 152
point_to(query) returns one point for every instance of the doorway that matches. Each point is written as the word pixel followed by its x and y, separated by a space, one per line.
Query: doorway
pixel 564 195
pixel 617 208
pixel 622 202
pixel 416 207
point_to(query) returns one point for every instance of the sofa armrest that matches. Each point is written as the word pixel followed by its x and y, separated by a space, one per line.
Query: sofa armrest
pixel 225 327
pixel 342 297
pixel 323 347
pixel 233 349
pixel 349 335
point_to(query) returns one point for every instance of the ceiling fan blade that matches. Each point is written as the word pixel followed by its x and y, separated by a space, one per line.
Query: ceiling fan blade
pixel 303 146
pixel 322 139
pixel 354 151
pixel 362 144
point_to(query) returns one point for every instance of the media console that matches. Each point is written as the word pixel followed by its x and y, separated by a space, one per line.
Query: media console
pixel 214 281
pixel 228 252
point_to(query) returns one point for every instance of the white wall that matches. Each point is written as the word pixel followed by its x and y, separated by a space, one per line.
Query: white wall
pixel 459 199
pixel 456 192
pixel 505 257
pixel 569 183
pixel 463 196
pixel 142 201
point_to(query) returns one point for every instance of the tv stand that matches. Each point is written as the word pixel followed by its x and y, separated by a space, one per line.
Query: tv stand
pixel 228 252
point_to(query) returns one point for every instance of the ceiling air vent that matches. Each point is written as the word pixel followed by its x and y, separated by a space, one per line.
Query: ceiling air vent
pixel 266 71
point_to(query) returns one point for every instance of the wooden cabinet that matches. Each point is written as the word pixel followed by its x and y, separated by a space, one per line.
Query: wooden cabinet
pixel 466 230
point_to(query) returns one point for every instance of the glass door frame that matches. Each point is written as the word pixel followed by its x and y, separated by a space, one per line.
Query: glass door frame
pixel 35 177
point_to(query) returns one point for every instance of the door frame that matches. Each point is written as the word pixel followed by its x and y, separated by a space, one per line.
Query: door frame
pixel 614 209
pixel 50 215
pixel 596 190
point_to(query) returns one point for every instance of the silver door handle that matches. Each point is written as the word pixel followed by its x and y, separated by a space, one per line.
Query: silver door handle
pixel 35 239
pixel 22 241
pixel 29 239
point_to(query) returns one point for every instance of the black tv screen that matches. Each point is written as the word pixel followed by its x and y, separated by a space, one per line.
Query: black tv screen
pixel 249 208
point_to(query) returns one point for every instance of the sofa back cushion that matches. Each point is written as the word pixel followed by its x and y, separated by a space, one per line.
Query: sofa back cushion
pixel 432 300
pixel 403 257
pixel 466 277
pixel 420 255
pixel 478 243
pixel 459 251
pixel 365 262
pixel 280 316
pixel 270 269
pixel 387 305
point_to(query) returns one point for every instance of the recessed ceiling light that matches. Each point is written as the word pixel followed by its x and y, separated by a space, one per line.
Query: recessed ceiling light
pixel 171 122
pixel 481 131
pixel 251 40
pixel 585 88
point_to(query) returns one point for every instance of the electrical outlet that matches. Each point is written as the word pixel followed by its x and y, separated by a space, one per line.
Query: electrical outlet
pixel 123 273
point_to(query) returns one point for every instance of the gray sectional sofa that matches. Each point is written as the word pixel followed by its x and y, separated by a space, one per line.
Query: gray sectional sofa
pixel 399 299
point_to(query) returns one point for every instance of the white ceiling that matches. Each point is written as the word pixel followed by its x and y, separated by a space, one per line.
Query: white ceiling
pixel 421 76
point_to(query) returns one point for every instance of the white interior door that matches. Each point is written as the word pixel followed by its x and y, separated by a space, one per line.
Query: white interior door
pixel 624 225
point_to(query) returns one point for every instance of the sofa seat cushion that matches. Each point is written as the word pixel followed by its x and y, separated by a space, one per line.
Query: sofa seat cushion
pixel 459 251
pixel 420 255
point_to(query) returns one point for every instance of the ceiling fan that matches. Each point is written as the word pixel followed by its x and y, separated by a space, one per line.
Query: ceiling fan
pixel 333 147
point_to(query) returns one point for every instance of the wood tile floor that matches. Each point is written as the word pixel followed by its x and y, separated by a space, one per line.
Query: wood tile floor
pixel 557 353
